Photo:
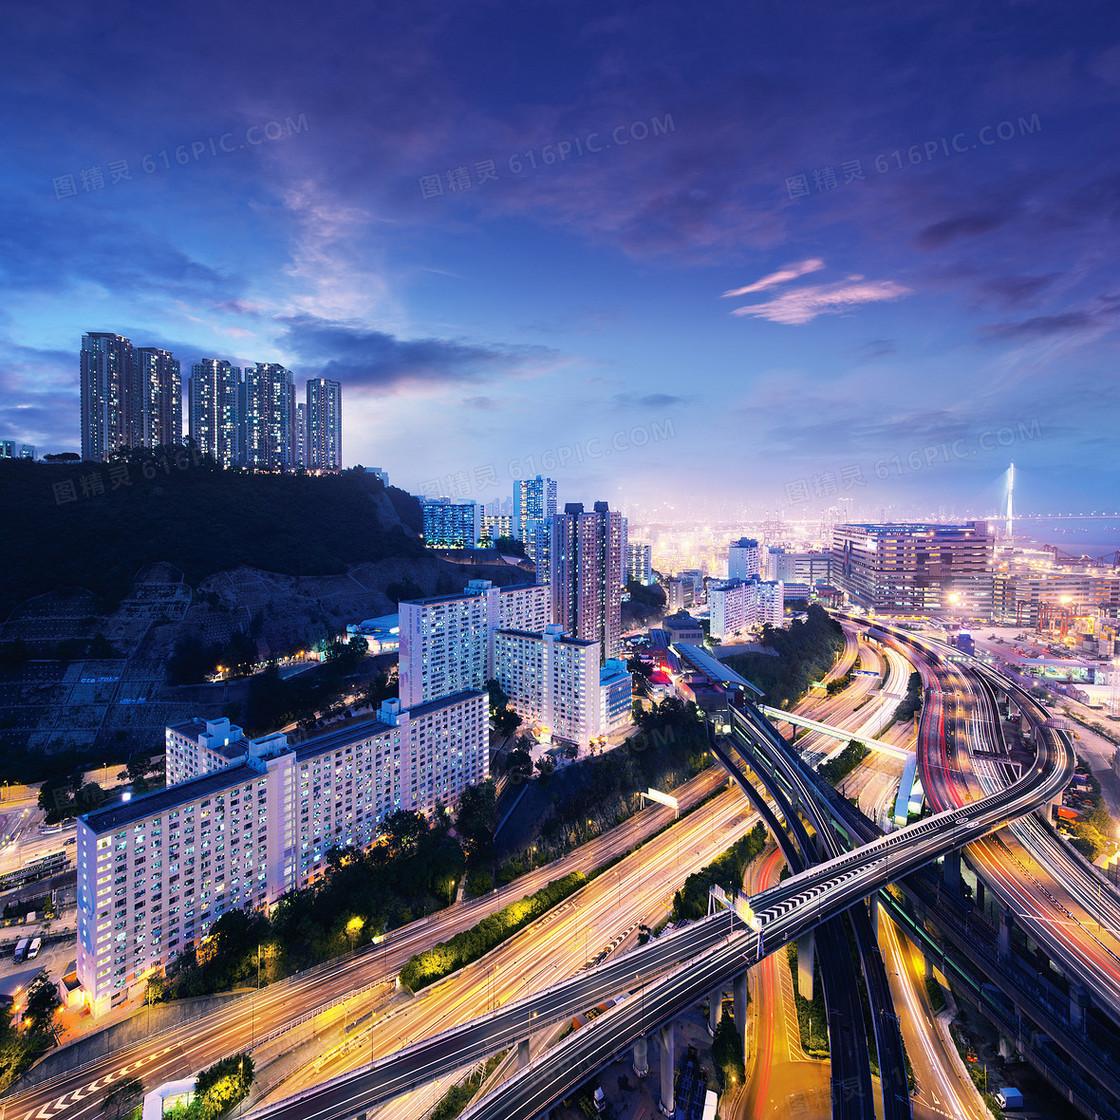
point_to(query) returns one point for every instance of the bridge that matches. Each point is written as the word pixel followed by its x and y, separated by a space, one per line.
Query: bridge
pixel 787 911
pixel 835 732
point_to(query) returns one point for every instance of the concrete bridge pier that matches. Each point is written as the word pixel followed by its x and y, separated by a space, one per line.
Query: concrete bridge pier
pixel 715 1006
pixel 806 960
pixel 641 1056
pixel 1006 1047
pixel 742 994
pixel 1006 921
pixel 667 1104
pixel 522 1053
pixel 1078 1007
pixel 951 871
pixel 873 913
pixel 980 893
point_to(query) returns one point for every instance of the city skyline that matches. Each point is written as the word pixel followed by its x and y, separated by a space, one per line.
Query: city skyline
pixel 808 272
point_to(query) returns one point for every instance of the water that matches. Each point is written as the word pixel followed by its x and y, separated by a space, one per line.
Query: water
pixel 1091 536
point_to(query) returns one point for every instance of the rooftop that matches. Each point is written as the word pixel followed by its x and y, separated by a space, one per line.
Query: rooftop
pixel 150 804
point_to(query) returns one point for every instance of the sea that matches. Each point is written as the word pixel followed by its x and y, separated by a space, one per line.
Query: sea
pixel 1080 536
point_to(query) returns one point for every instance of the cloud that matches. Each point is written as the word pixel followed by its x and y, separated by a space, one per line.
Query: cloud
pixel 369 359
pixel 1042 325
pixel 790 272
pixel 805 304
pixel 877 348
pixel 969 225
pixel 651 400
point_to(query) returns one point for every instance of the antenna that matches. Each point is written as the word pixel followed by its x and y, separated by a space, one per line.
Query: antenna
pixel 1010 499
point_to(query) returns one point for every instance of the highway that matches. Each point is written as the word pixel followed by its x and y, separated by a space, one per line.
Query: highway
pixel 183 1050
pixel 638 891
pixel 1054 896
pixel 846 1026
pixel 779 1071
pixel 786 911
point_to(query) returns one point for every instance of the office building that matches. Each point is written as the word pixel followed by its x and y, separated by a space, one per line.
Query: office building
pixel 736 606
pixel 586 575
pixel 324 425
pixel 447 641
pixel 534 502
pixel 639 565
pixel 1025 600
pixel 9 449
pixel 213 412
pixel 158 419
pixel 744 559
pixel 154 873
pixel 268 417
pixel 108 395
pixel 915 568
pixel 448 524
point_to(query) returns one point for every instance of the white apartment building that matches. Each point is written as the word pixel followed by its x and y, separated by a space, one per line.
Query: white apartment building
pixel 446 642
pixel 552 681
pixel 739 605
pixel 639 565
pixel 154 873
pixel 744 559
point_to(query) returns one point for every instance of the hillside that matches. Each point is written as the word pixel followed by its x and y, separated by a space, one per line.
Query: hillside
pixel 201 519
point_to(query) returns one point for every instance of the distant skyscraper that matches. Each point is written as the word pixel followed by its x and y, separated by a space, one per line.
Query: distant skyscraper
pixel 213 409
pixel 108 395
pixel 586 575
pixel 268 417
pixel 534 501
pixel 324 424
pixel 158 419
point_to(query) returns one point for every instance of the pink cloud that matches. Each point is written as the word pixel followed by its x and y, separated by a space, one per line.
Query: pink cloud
pixel 805 304
pixel 790 272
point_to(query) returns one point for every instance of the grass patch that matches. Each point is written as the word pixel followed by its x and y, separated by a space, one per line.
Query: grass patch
pixel 936 993
pixel 837 769
pixel 470 944
pixel 811 1017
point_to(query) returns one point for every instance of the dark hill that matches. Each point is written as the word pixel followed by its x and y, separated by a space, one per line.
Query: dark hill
pixel 200 518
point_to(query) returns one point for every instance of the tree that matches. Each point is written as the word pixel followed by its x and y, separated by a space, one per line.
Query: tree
pixel 138 766
pixel 122 1093
pixel 42 1003
pixel 476 819
pixel 727 1053
pixel 546 766
pixel 499 701
pixel 403 831
pixel 62 457
pixel 511 546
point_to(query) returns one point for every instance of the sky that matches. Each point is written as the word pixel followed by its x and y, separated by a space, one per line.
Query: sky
pixel 663 252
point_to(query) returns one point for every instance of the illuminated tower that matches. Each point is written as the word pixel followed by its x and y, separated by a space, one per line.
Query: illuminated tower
pixel 1010 497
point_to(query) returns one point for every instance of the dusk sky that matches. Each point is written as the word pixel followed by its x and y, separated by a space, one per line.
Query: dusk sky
pixel 814 236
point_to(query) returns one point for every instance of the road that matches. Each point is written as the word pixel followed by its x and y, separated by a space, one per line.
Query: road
pixel 943 1089
pixel 782 1081
pixel 193 1046
pixel 638 891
